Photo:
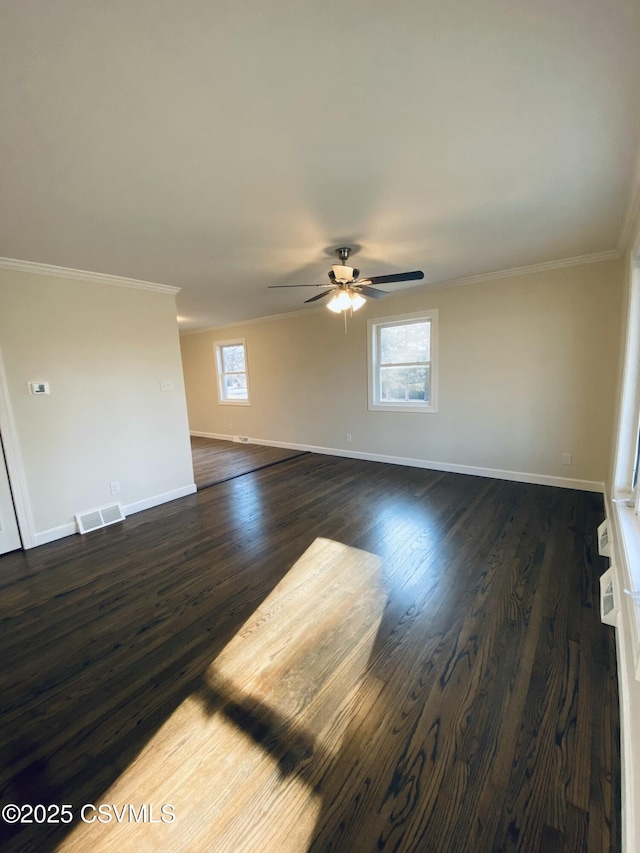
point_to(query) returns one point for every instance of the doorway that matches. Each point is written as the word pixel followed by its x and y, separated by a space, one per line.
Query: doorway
pixel 216 460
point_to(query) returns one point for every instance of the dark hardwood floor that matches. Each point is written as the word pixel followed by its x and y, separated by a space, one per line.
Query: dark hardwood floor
pixel 215 461
pixel 323 655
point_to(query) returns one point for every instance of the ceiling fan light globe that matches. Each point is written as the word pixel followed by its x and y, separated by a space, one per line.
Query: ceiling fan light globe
pixel 342 301
pixel 332 305
pixel 357 301
pixel 342 273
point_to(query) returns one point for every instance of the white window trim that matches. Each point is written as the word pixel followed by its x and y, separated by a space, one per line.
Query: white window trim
pixel 624 523
pixel 376 405
pixel 218 349
pixel 625 500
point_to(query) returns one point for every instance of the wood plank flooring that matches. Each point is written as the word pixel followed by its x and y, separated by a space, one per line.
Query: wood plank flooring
pixel 215 461
pixel 323 655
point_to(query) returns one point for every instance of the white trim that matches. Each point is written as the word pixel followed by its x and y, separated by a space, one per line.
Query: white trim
pixel 294 312
pixel 628 815
pixel 373 364
pixel 15 468
pixel 625 524
pixel 84 275
pixel 449 467
pixel 156 500
pixel 625 544
pixel 218 435
pixel 54 533
pixel 546 266
pixel 625 539
pixel 628 385
pixel 218 347
pixel 628 686
pixel 633 207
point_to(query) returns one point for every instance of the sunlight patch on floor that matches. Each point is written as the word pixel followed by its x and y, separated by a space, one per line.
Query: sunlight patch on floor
pixel 241 759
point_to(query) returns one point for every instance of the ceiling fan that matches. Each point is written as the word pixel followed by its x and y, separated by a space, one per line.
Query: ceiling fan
pixel 348 289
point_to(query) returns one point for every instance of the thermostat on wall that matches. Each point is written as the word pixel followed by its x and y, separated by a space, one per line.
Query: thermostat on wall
pixel 39 388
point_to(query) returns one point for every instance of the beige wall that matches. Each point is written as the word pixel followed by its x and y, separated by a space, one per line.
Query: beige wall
pixel 528 367
pixel 103 349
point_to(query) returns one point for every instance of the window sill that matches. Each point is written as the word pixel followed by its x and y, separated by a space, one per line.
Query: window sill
pixel 234 402
pixel 628 559
pixel 398 407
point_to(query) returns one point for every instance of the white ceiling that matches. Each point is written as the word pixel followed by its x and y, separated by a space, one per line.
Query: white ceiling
pixel 224 145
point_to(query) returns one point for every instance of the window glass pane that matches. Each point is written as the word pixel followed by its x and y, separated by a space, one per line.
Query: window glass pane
pixel 235 387
pixel 233 358
pixel 636 463
pixel 405 343
pixel 405 384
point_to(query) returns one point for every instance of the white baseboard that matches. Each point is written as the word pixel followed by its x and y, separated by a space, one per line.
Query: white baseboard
pixel 212 435
pixel 449 467
pixel 156 500
pixel 46 536
pixel 54 533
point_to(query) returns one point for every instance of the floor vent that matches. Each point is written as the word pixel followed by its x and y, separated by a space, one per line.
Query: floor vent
pixel 243 439
pixel 604 543
pixel 608 603
pixel 94 519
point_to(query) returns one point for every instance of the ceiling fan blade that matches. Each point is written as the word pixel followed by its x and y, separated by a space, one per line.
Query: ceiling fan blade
pixel 398 276
pixel 371 291
pixel 299 285
pixel 332 276
pixel 318 296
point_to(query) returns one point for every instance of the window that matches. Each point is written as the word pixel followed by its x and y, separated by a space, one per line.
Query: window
pixel 402 363
pixel 233 377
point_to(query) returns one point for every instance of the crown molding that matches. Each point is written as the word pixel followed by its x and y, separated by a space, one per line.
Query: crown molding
pixel 84 275
pixel 546 266
pixel 597 257
pixel 268 318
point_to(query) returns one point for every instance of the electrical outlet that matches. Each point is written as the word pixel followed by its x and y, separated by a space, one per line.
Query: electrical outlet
pixel 348 438
pixel 566 459
pixel 114 487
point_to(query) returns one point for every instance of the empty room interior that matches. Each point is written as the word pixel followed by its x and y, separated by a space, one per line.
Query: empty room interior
pixel 319 426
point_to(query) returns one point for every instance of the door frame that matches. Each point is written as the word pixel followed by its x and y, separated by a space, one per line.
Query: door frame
pixel 15 468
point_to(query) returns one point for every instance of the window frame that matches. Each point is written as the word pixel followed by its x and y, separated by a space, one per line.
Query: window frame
pixel 623 510
pixel 373 364
pixel 219 346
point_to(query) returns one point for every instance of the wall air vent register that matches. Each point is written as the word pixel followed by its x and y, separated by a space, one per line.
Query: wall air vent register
pixel 94 519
